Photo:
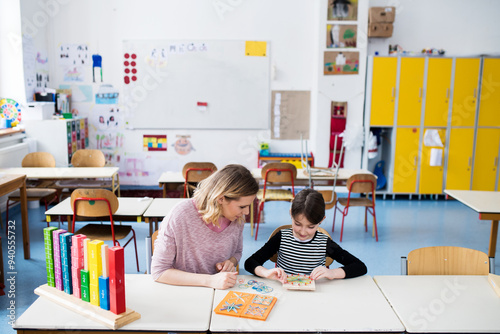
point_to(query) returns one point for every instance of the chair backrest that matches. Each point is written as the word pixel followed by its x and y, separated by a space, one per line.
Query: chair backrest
pixel 447 260
pixel 362 183
pixel 279 172
pixel 330 198
pixel 153 239
pixel 197 171
pixel 274 258
pixel 88 158
pixel 38 159
pixel 93 202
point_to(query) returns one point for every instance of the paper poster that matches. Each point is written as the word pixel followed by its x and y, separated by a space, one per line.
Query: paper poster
pixel 96 66
pixel 345 62
pixel 341 35
pixel 183 145
pixel 290 114
pixel 29 67
pixel 342 10
pixel 253 48
pixel 73 58
pixel 154 142
pixel 80 93
pixel 106 94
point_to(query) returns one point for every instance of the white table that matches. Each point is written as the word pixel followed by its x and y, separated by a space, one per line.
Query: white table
pixel 349 305
pixel 487 204
pixel 129 209
pixel 443 304
pixel 159 208
pixel 162 307
pixel 68 173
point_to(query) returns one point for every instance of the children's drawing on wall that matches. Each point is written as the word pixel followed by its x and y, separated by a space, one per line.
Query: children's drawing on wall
pixel 345 62
pixel 130 63
pixel 154 142
pixel 80 93
pixel 157 58
pixel 73 58
pixel 41 69
pixel 145 168
pixel 29 67
pixel 183 145
pixel 341 36
pixel 96 66
pixel 107 129
pixel 106 94
pixel 342 10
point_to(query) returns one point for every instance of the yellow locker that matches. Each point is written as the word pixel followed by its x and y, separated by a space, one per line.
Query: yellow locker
pixel 406 160
pixel 411 83
pixel 459 168
pixel 438 91
pixel 486 159
pixel 465 91
pixel 383 91
pixel 431 165
pixel 489 104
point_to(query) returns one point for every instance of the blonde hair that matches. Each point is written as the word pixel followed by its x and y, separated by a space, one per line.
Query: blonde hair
pixel 232 182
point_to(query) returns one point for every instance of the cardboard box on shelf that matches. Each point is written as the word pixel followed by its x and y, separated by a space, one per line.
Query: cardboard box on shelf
pixel 380 29
pixel 381 14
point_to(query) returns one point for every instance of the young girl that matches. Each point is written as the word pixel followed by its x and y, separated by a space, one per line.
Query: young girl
pixel 302 249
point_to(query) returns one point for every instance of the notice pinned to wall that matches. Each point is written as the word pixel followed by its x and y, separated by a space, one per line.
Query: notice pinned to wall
pixel 290 114
pixel 155 142
pixel 253 48
pixel 345 62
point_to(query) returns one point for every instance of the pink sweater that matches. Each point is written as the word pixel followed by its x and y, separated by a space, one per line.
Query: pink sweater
pixel 186 243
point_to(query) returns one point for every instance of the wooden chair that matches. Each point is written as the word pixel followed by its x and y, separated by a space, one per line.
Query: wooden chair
pixel 100 203
pixel 38 193
pixel 363 184
pixel 194 172
pixel 446 260
pixel 153 239
pixel 276 174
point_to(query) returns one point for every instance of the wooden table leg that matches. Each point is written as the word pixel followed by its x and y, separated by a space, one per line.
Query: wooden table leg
pixel 493 239
pixel 150 223
pixel 24 218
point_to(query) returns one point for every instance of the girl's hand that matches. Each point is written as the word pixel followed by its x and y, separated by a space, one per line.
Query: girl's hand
pixel 276 274
pixel 226 266
pixel 320 272
pixel 223 280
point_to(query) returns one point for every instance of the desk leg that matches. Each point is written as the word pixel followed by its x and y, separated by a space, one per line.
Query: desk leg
pixel 70 223
pixel 24 218
pixel 150 223
pixel 493 239
pixel 164 190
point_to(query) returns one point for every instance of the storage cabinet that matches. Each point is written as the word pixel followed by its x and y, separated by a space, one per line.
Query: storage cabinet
pixel 411 83
pixel 489 105
pixel 460 151
pixel 486 159
pixel 406 160
pixel 383 90
pixel 465 90
pixel 438 91
pixel 431 170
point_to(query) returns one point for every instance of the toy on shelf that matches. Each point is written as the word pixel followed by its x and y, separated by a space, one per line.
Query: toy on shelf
pixel 246 305
pixel 264 149
pixel 299 282
pixel 80 268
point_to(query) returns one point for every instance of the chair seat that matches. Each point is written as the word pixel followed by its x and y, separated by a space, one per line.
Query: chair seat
pixel 356 201
pixel 32 194
pixel 103 231
pixel 276 195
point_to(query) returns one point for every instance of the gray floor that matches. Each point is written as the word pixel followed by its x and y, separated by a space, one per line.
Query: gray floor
pixel 403 225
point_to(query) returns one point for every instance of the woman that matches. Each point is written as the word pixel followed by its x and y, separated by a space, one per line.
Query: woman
pixel 200 242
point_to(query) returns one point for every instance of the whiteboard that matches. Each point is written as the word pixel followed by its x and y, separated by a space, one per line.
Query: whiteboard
pixel 173 81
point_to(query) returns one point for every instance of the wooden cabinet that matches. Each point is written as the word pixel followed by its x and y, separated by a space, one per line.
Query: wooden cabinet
pixel 460 151
pixel 438 91
pixel 383 90
pixel 486 159
pixel 406 160
pixel 465 91
pixel 411 89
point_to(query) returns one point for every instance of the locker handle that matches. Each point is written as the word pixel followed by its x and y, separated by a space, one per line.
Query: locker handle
pixel 475 92
pixel 393 91
pixel 470 161
pixel 496 161
pixel 447 93
pixel 415 161
pixel 420 92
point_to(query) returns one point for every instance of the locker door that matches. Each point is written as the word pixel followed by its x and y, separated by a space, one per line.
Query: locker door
pixel 411 83
pixel 489 105
pixel 459 169
pixel 465 91
pixel 431 175
pixel 405 160
pixel 486 159
pixel 383 91
pixel 438 91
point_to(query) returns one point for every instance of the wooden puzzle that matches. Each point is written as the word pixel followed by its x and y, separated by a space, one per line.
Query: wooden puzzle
pixel 299 282
pixel 246 305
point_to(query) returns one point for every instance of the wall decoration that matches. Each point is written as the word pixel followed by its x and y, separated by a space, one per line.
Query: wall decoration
pixel 130 63
pixel 96 63
pixel 79 93
pixel 342 10
pixel 290 114
pixel 341 62
pixel 154 142
pixel 106 94
pixel 29 67
pixel 10 110
pixel 73 58
pixel 183 145
pixel 341 35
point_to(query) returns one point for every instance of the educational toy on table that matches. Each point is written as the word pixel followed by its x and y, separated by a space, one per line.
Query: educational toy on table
pixel 77 277
pixel 246 305
pixel 299 282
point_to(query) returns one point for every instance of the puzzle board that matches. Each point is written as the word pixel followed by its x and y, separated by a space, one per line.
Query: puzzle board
pixel 299 282
pixel 246 305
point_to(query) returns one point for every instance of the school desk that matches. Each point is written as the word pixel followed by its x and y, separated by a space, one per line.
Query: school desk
pixel 163 308
pixel 443 304
pixel 129 209
pixel 347 305
pixel 159 208
pixel 69 173
pixel 487 204
pixel 8 184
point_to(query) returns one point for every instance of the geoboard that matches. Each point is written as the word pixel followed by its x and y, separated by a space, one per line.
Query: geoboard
pixel 299 282
pixel 246 305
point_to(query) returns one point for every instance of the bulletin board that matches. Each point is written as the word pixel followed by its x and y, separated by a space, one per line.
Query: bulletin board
pixel 185 84
pixel 290 114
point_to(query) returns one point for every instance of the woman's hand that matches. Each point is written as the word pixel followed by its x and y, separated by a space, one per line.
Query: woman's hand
pixel 275 273
pixel 320 272
pixel 226 266
pixel 223 280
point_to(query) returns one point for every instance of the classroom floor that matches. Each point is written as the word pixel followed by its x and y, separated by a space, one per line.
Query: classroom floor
pixel 403 225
